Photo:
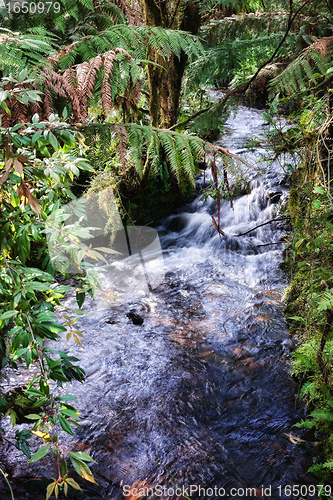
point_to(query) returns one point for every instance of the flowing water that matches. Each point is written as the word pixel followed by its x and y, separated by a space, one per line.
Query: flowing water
pixel 200 393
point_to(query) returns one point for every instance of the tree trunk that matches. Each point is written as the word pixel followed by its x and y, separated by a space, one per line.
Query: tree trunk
pixel 165 79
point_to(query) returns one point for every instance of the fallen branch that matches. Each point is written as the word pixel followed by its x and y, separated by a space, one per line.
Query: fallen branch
pixel 284 217
pixel 232 92
pixel 218 228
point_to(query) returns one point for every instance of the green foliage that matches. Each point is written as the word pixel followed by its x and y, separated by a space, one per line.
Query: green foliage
pixel 236 5
pixel 37 172
pixel 233 49
pixel 308 72
pixel 310 295
pixel 20 51
pixel 182 151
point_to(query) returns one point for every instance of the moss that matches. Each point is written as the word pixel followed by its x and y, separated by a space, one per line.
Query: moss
pixel 156 200
pixel 294 205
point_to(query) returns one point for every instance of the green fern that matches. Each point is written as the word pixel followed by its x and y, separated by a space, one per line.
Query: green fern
pixel 326 301
pixel 307 71
pixel 143 148
pixel 20 51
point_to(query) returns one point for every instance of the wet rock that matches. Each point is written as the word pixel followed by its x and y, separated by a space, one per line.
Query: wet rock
pixel 285 181
pixel 135 317
pixel 110 321
pixel 177 224
pixel 250 363
pixel 274 196
pixel 238 352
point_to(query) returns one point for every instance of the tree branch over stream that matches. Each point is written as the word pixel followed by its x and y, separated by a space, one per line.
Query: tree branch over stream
pixel 241 90
pixel 278 219
pixel 291 19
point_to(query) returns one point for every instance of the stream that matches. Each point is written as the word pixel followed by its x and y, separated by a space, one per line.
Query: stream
pixel 197 401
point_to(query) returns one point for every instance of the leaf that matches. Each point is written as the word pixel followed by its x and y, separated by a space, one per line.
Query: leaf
pixel 8 315
pixel 297 318
pixel 34 392
pixel 53 141
pixel 75 463
pixel 69 413
pixel 24 192
pixel 39 403
pixel 87 475
pixel 49 490
pixel 4 94
pixel 82 469
pixel 81 455
pixel 80 296
pixel 65 425
pixel 25 448
pixel 8 166
pixel 23 75
pixel 299 242
pixel 67 398
pixel 40 454
pixel 73 483
pixel 4 177
pixel 322 414
pixel 18 166
pixel 43 435
pixel 294 439
pixel 63 468
pixel 35 137
pixel 19 353
pixel 107 250
pixel 77 340
pixel 12 415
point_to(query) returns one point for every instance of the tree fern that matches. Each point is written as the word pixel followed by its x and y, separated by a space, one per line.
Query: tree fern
pixel 143 149
pixel 300 74
pixel 221 63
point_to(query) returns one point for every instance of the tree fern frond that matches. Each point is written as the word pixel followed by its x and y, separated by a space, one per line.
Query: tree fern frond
pixel 132 11
pixel 136 145
pixel 145 149
pixel 213 118
pixel 19 51
pixel 168 42
pixel 106 91
pixel 251 5
pixel 299 74
pixel 153 152
pixel 89 76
